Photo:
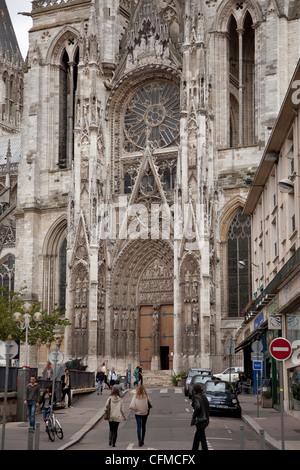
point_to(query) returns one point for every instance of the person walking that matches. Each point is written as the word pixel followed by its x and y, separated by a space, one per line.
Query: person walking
pixel 141 404
pixel 48 371
pixel 136 376
pixel 32 399
pixel 141 374
pixel 112 377
pixel 100 380
pixel 115 407
pixel 66 386
pixel 200 418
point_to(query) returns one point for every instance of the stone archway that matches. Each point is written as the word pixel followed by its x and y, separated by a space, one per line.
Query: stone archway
pixel 142 291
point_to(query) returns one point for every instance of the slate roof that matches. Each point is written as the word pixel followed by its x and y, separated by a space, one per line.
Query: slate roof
pixel 8 39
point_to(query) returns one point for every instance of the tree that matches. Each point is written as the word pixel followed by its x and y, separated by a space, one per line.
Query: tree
pixel 11 302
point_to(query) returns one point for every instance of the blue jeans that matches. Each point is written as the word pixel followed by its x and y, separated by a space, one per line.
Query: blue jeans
pixel 141 426
pixel 31 407
pixel 100 385
pixel 46 412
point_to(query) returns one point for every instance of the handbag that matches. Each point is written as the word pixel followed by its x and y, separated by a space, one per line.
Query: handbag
pixel 107 411
pixel 149 406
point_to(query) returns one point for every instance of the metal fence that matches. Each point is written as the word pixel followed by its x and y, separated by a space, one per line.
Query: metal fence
pixel 13 378
pixel 79 379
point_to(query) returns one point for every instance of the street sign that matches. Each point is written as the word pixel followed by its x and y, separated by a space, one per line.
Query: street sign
pixel 257 356
pixel 55 356
pixel 280 349
pixel 257 346
pixel 12 350
pixel 257 365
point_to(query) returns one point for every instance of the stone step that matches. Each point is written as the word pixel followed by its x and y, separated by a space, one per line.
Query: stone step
pixel 157 378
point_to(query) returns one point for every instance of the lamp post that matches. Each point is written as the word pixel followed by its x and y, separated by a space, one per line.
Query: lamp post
pixel 23 323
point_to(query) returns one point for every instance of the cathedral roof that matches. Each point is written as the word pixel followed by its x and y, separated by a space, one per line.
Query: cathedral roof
pixel 8 40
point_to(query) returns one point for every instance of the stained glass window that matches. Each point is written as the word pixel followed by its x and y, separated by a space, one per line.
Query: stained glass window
pixel 152 113
pixel 239 249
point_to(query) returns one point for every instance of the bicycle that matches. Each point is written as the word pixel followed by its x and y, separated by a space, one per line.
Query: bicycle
pixel 53 427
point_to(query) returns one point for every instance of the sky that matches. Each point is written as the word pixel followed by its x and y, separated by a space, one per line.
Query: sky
pixel 21 23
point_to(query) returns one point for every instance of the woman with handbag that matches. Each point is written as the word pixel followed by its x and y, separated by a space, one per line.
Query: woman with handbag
pixel 200 418
pixel 141 405
pixel 114 413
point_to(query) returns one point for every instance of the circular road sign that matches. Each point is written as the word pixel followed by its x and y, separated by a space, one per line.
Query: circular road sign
pixel 55 356
pixel 280 349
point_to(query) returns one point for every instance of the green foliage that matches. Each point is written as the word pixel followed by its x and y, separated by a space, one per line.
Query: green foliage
pixel 177 378
pixel 11 302
pixel 267 394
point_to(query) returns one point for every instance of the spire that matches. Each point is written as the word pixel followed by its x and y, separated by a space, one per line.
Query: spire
pixel 8 40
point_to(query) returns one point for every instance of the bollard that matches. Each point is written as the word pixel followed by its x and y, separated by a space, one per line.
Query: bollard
pixel 30 438
pixel 37 437
pixel 262 439
pixel 242 438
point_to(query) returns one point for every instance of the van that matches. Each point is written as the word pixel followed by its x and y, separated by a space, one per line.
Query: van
pixel 192 372
pixel 231 374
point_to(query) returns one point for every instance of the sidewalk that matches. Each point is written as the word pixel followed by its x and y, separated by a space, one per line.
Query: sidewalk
pixel 76 422
pixel 87 411
pixel 269 420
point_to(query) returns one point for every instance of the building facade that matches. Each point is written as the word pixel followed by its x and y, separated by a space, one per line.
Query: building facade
pixel 11 106
pixel 141 121
pixel 273 204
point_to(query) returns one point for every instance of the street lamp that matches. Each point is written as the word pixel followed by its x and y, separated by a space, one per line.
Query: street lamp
pixel 242 264
pixel 286 185
pixel 23 321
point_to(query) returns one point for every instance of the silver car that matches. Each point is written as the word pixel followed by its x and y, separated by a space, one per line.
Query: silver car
pixel 192 372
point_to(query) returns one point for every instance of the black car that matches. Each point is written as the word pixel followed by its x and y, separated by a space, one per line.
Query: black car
pixel 198 379
pixel 222 397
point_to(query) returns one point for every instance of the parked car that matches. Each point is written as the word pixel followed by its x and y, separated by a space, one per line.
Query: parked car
pixel 198 379
pixel 231 374
pixel 192 372
pixel 222 397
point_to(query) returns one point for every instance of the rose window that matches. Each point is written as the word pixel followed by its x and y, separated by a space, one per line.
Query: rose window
pixel 152 113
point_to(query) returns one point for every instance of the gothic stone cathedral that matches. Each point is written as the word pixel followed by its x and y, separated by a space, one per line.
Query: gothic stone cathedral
pixel 141 120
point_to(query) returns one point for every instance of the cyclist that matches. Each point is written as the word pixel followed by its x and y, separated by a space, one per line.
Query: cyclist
pixel 46 404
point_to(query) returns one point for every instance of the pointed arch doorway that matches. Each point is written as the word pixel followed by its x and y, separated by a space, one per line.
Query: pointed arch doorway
pixel 156 339
pixel 143 293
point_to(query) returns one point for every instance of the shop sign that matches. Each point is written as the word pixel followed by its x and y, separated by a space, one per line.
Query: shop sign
pixel 273 306
pixel 293 322
pixel 291 290
pixel 259 320
pixel 274 322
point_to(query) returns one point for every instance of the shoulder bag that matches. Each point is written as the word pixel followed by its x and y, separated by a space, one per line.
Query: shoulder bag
pixel 107 411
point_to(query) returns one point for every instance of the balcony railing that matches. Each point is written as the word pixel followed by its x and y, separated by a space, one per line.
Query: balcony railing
pixel 38 4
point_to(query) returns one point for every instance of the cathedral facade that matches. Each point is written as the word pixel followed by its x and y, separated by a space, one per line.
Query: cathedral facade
pixel 142 120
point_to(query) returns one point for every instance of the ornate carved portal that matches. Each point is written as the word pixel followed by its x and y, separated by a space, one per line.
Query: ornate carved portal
pixel 142 322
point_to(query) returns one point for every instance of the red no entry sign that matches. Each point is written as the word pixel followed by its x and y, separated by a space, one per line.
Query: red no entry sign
pixel 280 349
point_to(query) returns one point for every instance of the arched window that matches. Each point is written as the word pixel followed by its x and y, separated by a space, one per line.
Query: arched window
pixel 7 273
pixel 241 70
pixel 62 276
pixel 152 115
pixel 67 90
pixel 239 249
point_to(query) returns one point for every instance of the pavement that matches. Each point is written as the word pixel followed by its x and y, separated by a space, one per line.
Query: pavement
pixel 89 409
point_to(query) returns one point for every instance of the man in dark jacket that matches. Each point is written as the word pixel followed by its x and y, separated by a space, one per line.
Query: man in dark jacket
pixel 200 418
